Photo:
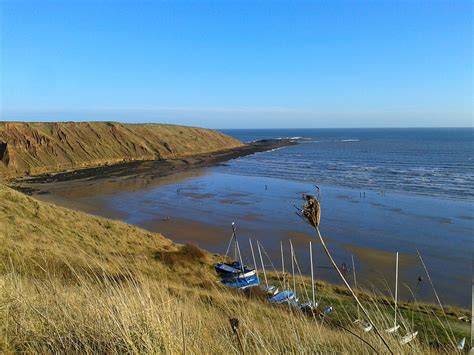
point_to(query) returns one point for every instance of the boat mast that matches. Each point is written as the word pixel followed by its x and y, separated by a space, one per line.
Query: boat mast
pixel 282 264
pixel 355 284
pixel 237 249
pixel 396 290
pixel 234 240
pixel 253 257
pixel 293 266
pixel 312 273
pixel 263 265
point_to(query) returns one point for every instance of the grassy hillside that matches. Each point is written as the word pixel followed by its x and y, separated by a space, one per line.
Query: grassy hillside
pixel 36 148
pixel 71 282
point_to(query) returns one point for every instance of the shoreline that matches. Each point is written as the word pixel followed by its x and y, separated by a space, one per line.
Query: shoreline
pixel 145 169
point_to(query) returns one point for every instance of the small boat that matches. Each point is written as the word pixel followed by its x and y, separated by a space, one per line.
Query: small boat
pixel 308 306
pixel 241 282
pixel 393 329
pixel 233 270
pixel 327 311
pixel 270 290
pixel 407 338
pixel 461 344
pixel 283 297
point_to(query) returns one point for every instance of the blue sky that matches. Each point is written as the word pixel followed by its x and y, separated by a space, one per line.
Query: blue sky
pixel 239 64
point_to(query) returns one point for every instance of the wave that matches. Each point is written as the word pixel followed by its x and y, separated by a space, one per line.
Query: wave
pixel 349 140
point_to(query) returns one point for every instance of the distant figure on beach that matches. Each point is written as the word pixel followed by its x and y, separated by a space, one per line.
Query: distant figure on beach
pixel 266 187
pixel 344 268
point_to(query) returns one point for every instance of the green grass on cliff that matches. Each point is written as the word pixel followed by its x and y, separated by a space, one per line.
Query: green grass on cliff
pixel 38 148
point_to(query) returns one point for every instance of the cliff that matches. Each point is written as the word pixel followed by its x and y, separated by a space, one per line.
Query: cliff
pixel 38 148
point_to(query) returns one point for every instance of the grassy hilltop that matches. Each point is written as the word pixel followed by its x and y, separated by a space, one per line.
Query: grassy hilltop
pixel 37 148
pixel 71 282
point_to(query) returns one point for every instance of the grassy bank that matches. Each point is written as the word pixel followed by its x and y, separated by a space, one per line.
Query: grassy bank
pixel 71 282
pixel 39 148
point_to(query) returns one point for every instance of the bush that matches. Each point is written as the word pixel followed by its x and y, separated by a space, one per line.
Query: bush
pixel 186 254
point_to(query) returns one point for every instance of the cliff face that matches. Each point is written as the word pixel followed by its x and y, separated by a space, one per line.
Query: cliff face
pixel 37 148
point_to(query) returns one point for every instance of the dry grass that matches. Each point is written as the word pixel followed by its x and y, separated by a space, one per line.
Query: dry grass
pixel 73 283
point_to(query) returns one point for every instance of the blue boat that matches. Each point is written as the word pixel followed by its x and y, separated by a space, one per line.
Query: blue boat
pixel 242 282
pixel 233 270
pixel 283 297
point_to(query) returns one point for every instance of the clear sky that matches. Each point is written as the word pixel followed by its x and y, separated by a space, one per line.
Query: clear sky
pixel 239 64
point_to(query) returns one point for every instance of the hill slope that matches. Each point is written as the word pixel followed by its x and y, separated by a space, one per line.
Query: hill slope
pixel 37 148
pixel 71 282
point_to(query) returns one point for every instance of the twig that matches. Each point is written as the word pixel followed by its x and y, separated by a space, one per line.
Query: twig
pixel 354 334
pixel 234 325
pixel 183 334
pixel 437 298
pixel 321 239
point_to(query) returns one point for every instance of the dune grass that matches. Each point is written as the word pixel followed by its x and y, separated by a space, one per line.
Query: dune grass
pixel 73 283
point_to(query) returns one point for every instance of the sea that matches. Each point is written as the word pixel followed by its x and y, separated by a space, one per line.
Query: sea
pixel 416 161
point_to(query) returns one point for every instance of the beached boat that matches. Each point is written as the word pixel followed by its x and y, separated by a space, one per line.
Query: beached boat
pixel 408 338
pixel 242 282
pixel 283 297
pixel 235 269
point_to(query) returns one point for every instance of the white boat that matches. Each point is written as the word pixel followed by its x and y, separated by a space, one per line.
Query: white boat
pixel 393 329
pixel 407 338
pixel 270 290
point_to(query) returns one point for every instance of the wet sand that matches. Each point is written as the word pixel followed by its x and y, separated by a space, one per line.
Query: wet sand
pixel 137 174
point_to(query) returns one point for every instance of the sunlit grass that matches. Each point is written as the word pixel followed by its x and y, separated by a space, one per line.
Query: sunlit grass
pixel 71 283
